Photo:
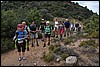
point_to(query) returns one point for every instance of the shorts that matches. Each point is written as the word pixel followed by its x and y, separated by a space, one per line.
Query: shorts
pixel 47 35
pixel 61 31
pixel 67 27
pixel 34 35
pixel 56 28
pixel 72 29
pixel 21 46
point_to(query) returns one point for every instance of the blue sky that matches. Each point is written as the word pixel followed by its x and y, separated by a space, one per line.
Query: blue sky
pixel 91 5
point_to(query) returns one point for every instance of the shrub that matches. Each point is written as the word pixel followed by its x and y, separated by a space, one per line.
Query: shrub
pixel 82 43
pixel 64 56
pixel 95 34
pixel 51 47
pixel 48 57
pixel 6 45
pixel 67 41
pixel 87 43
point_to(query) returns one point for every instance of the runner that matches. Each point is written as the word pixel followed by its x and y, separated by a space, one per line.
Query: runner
pixel 27 29
pixel 20 41
pixel 33 33
pixel 67 27
pixel 48 29
pixel 42 28
pixel 61 29
pixel 56 28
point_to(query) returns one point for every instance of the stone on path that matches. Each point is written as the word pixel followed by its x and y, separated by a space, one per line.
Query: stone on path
pixel 71 60
pixel 58 59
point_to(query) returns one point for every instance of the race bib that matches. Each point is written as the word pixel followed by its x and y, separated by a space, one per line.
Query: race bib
pixel 20 41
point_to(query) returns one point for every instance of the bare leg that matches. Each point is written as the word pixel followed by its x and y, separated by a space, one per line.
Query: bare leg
pixel 32 42
pixel 19 54
pixel 37 42
pixel 45 42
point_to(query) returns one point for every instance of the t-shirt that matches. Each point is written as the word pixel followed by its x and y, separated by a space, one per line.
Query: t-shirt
pixel 67 24
pixel 21 34
pixel 56 24
pixel 61 26
pixel 33 27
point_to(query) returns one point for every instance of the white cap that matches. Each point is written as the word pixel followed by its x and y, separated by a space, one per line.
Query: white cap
pixel 47 22
pixel 66 19
pixel 23 22
pixel 76 22
pixel 42 19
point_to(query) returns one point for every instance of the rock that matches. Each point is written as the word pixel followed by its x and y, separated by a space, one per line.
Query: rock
pixel 71 60
pixel 35 64
pixel 19 64
pixel 44 65
pixel 58 59
pixel 37 61
pixel 85 33
pixel 67 45
pixel 73 44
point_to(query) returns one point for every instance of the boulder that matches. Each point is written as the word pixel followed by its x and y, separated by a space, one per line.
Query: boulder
pixel 71 61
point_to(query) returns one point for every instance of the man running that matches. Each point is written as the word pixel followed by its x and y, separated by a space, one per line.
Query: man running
pixel 48 29
pixel 33 33
pixel 42 28
pixel 67 27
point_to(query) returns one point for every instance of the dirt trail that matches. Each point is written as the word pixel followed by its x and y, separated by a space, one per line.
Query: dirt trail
pixel 32 56
pixel 35 53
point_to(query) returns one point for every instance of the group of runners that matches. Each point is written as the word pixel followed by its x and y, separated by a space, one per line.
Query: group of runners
pixel 25 33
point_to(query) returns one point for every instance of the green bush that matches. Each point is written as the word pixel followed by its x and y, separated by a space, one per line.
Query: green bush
pixel 51 47
pixel 48 57
pixel 88 43
pixel 82 43
pixel 58 45
pixel 64 56
pixel 6 45
pixel 95 34
pixel 55 40
pixel 67 41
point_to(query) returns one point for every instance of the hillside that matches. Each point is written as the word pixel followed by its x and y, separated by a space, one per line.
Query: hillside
pixel 14 12
pixel 50 9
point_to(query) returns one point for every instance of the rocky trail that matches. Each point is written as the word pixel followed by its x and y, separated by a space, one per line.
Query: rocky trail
pixel 33 56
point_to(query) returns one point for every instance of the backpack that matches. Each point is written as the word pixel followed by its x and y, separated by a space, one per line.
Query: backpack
pixel 48 31
pixel 26 28
pixel 76 25
pixel 42 26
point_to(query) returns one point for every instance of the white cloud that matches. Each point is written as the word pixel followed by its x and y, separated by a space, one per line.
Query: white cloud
pixel 91 5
